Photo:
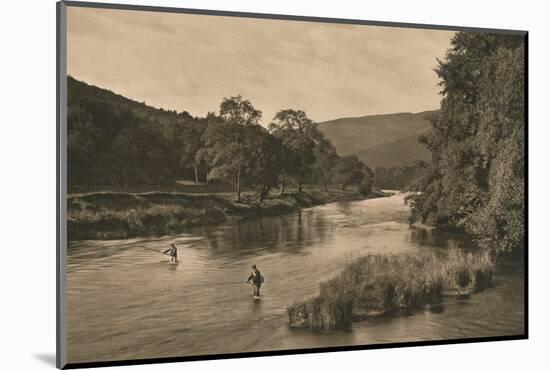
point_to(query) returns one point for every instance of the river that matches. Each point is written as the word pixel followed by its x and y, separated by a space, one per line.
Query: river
pixel 126 302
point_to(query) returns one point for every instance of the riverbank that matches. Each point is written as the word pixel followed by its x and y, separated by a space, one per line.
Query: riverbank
pixel 110 215
pixel 379 284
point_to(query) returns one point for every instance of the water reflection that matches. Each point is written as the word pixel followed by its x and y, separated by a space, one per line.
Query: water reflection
pixel 288 233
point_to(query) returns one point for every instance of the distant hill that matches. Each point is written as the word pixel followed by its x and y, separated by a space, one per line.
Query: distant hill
pixel 396 153
pixel 357 134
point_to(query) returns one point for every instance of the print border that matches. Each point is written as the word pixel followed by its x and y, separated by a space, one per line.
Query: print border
pixel 61 187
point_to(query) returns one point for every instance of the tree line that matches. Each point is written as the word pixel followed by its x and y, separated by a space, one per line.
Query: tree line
pixel 475 181
pixel 114 140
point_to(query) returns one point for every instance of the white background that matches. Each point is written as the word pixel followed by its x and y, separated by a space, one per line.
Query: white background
pixel 27 168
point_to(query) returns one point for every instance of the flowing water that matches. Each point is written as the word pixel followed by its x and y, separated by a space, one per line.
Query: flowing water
pixel 128 302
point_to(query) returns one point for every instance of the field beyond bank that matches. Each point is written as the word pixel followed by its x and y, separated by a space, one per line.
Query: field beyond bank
pixel 117 215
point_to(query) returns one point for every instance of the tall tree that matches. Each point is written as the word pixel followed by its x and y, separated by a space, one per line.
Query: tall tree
pixel 476 178
pixel 239 111
pixel 187 135
pixel 325 160
pixel 299 135
pixel 349 170
pixel 266 162
pixel 365 187
pixel 227 146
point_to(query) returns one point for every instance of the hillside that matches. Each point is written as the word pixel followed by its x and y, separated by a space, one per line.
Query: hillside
pixel 353 135
pixel 79 91
pixel 396 153
pixel 115 141
pixel 118 143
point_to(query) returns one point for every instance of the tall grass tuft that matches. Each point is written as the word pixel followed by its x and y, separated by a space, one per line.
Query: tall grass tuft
pixel 378 284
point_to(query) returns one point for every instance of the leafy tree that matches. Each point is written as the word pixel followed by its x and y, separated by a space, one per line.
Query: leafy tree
pixel 325 160
pixel 224 151
pixel 290 157
pixel 228 145
pixel 476 179
pixel 365 187
pixel 299 135
pixel 349 170
pixel 187 138
pixel 266 162
pixel 239 111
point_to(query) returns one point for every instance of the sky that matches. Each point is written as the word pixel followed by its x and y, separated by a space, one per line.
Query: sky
pixel 191 62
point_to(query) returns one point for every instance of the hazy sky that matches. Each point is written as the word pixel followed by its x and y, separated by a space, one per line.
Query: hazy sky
pixel 190 62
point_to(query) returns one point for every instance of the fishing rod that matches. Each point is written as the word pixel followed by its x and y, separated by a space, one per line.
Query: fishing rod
pixel 135 246
pixel 151 249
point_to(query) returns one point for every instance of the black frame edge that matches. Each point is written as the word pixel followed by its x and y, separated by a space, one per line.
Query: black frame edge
pixel 290 352
pixel 526 186
pixel 286 17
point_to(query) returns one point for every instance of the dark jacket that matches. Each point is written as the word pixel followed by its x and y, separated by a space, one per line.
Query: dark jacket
pixel 173 251
pixel 257 278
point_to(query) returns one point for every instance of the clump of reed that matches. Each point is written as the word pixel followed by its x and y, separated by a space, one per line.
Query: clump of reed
pixel 378 284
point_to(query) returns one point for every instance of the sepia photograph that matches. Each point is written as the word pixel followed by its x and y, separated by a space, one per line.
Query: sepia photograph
pixel 241 184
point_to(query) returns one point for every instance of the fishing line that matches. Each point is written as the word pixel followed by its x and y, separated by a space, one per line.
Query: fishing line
pixel 133 246
pixel 151 249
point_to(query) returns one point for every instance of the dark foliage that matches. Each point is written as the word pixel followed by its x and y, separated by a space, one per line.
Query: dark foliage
pixel 117 143
pixel 476 179
pixel 349 170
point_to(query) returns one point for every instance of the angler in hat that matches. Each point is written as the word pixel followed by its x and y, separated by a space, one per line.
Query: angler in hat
pixel 257 279
pixel 172 252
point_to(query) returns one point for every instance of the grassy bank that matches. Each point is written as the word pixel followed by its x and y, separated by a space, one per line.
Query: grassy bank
pixel 111 215
pixel 380 284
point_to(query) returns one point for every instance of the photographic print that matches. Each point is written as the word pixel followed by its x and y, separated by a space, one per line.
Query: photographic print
pixel 239 185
